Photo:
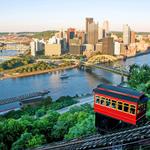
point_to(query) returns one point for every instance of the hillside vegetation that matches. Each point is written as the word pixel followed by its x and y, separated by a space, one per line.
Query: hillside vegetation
pixel 44 35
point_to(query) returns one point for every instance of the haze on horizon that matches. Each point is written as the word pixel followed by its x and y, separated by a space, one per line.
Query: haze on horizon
pixel 40 15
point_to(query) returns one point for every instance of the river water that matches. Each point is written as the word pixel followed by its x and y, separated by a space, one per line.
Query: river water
pixel 4 53
pixel 79 82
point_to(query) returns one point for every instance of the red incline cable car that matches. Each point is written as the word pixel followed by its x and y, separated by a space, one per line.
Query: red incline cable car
pixel 115 103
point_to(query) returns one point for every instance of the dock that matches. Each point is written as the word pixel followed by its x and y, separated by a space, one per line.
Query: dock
pixel 24 98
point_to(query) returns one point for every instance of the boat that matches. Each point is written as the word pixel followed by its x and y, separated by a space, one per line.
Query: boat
pixel 64 76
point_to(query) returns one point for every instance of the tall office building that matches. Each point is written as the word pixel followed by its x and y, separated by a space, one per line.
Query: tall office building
pixel 70 34
pixel 133 36
pixel 108 46
pixel 36 46
pixel 100 33
pixel 106 27
pixel 117 48
pixel 126 34
pixel 33 48
pixel 88 21
pixel 92 33
pixel 81 35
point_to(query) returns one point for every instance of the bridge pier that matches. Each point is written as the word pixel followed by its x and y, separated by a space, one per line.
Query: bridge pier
pixel 86 68
pixel 122 79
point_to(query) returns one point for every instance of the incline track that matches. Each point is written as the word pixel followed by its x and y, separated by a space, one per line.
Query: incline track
pixel 138 135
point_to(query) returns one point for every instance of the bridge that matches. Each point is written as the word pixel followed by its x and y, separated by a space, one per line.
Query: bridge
pixel 117 70
pixel 8 57
pixel 14 46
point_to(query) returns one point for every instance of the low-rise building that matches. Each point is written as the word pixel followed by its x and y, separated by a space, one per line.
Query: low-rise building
pixel 88 47
pixel 55 47
pixel 76 49
pixel 75 46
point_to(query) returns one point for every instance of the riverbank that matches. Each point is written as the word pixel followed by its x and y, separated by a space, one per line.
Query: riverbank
pixel 17 75
pixel 140 54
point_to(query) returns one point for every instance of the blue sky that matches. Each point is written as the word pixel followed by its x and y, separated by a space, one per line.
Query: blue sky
pixel 38 15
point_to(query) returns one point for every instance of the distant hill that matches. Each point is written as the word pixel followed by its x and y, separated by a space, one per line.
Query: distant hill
pixel 44 35
pixel 40 35
pixel 119 33
pixel 143 33
pixel 4 33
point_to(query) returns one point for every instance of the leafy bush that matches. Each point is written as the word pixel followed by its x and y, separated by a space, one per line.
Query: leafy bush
pixel 84 127
pixel 16 62
pixel 27 140
pixel 62 102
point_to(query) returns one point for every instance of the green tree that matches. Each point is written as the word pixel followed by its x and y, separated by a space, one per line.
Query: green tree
pixel 82 128
pixel 27 140
pixel 138 75
pixel 41 112
pixel 64 122
pixel 12 129
pixel 85 108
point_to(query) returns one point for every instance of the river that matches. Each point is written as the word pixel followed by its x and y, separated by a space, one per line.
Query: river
pixel 78 82
pixel 7 53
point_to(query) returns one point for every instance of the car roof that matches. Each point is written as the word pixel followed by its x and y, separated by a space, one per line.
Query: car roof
pixel 119 92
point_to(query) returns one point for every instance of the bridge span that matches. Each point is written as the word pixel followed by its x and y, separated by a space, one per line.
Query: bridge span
pixel 115 70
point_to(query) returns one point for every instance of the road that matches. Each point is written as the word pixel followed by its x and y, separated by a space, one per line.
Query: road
pixel 84 100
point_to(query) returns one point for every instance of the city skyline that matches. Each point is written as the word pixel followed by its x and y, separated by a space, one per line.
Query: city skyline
pixel 31 15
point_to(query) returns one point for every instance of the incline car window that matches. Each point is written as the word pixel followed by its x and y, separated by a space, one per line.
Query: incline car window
pixel 126 107
pixel 108 102
pixel 119 105
pixel 97 99
pixel 132 109
pixel 113 104
pixel 102 100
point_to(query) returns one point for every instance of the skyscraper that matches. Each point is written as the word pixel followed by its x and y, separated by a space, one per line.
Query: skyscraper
pixel 133 36
pixel 70 34
pixel 81 35
pixel 92 33
pixel 88 21
pixel 126 34
pixel 36 46
pixel 100 33
pixel 106 27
